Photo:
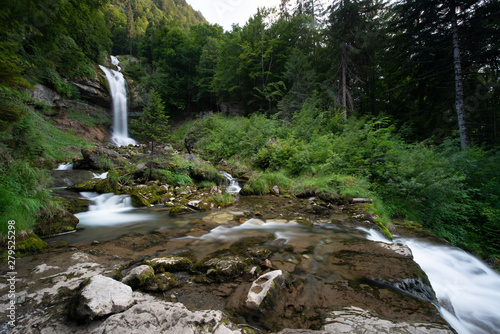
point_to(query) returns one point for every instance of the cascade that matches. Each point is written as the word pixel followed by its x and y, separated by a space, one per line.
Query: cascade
pixel 117 86
pixel 233 187
pixel 468 291
pixel 65 166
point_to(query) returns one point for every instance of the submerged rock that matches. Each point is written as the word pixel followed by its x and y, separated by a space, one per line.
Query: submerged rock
pixel 265 290
pixel 102 296
pixel 163 282
pixel 163 317
pixel 221 269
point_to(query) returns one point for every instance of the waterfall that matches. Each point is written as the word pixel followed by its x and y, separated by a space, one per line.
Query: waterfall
pixel 108 210
pixel 118 88
pixel 233 187
pixel 468 291
pixel 65 166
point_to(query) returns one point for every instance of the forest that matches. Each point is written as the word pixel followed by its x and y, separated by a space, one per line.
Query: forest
pixel 396 101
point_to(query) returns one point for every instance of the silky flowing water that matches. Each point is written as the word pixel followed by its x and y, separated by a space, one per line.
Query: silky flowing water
pixel 118 88
pixel 468 291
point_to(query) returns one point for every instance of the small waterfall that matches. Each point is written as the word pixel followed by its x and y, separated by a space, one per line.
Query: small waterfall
pixel 118 88
pixel 233 187
pixel 65 166
pixel 108 210
pixel 467 290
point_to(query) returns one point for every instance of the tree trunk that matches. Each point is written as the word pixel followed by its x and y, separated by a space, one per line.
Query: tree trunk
pixel 459 89
pixel 344 79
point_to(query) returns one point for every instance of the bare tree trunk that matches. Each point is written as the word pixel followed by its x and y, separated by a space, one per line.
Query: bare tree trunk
pixel 459 89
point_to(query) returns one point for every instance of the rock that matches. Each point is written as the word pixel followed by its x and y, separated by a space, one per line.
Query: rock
pixel 163 282
pixel 275 190
pixel 139 276
pixel 164 317
pixel 180 209
pixel 102 186
pixel 223 162
pixel 356 320
pixel 168 149
pixel 99 158
pixel 221 269
pixel 51 97
pixel 265 290
pixel 169 264
pixel 58 221
pixel 94 91
pixel 102 296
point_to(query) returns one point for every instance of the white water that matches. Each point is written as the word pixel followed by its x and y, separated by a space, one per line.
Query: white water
pixel 108 210
pixel 65 166
pixel 100 176
pixel 117 86
pixel 233 187
pixel 467 290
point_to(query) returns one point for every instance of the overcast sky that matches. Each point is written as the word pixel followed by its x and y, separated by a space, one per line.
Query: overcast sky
pixel 227 12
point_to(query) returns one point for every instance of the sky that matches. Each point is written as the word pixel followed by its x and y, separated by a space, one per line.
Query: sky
pixel 227 12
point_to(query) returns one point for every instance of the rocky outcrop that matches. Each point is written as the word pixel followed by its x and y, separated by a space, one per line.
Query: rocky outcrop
pixel 54 222
pixel 49 96
pixel 99 158
pixel 95 91
pixel 102 296
pixel 163 317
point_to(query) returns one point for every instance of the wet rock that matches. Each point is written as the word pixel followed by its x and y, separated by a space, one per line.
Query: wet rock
pixel 102 296
pixel 139 276
pixel 163 282
pixel 74 205
pixel 357 320
pixel 101 186
pixel 179 209
pixel 220 269
pixel 265 290
pixel 99 158
pixel 169 264
pixel 55 222
pixel 164 317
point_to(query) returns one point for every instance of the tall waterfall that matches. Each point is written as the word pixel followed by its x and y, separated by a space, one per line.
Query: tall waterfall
pixel 117 86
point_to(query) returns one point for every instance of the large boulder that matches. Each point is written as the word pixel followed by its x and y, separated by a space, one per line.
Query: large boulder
pixel 102 296
pixel 55 222
pixel 164 317
pixel 265 290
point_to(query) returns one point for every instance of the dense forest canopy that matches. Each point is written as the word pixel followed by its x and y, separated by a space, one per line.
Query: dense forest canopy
pixel 382 91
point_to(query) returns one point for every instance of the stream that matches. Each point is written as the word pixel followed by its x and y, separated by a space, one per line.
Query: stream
pixel 467 290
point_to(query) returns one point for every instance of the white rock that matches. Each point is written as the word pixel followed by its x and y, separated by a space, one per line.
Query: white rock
pixel 265 286
pixel 163 317
pixel 103 296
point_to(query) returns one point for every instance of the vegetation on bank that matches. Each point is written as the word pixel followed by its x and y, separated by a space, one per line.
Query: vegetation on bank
pixel 452 192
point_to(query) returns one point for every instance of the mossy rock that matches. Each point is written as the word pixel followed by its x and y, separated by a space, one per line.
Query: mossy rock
pixel 74 205
pixel 31 245
pixel 101 186
pixel 139 200
pixel 180 209
pixel 384 230
pixel 220 269
pixel 163 282
pixel 139 276
pixel 59 221
pixel 169 264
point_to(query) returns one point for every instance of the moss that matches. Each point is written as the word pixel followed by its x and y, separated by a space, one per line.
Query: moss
pixel 169 264
pixel 75 205
pixel 384 230
pixel 32 245
pixel 220 269
pixel 142 278
pixel 163 282
pixel 179 209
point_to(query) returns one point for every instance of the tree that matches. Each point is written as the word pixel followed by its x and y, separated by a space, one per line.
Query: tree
pixel 153 124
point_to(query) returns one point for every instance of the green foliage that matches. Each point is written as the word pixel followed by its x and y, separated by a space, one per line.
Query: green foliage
pixel 22 195
pixel 153 125
pixel 174 178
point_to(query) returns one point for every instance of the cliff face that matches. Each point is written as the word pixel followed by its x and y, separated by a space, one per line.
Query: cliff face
pixel 95 91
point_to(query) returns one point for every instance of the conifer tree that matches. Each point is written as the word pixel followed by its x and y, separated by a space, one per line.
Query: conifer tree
pixel 153 124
